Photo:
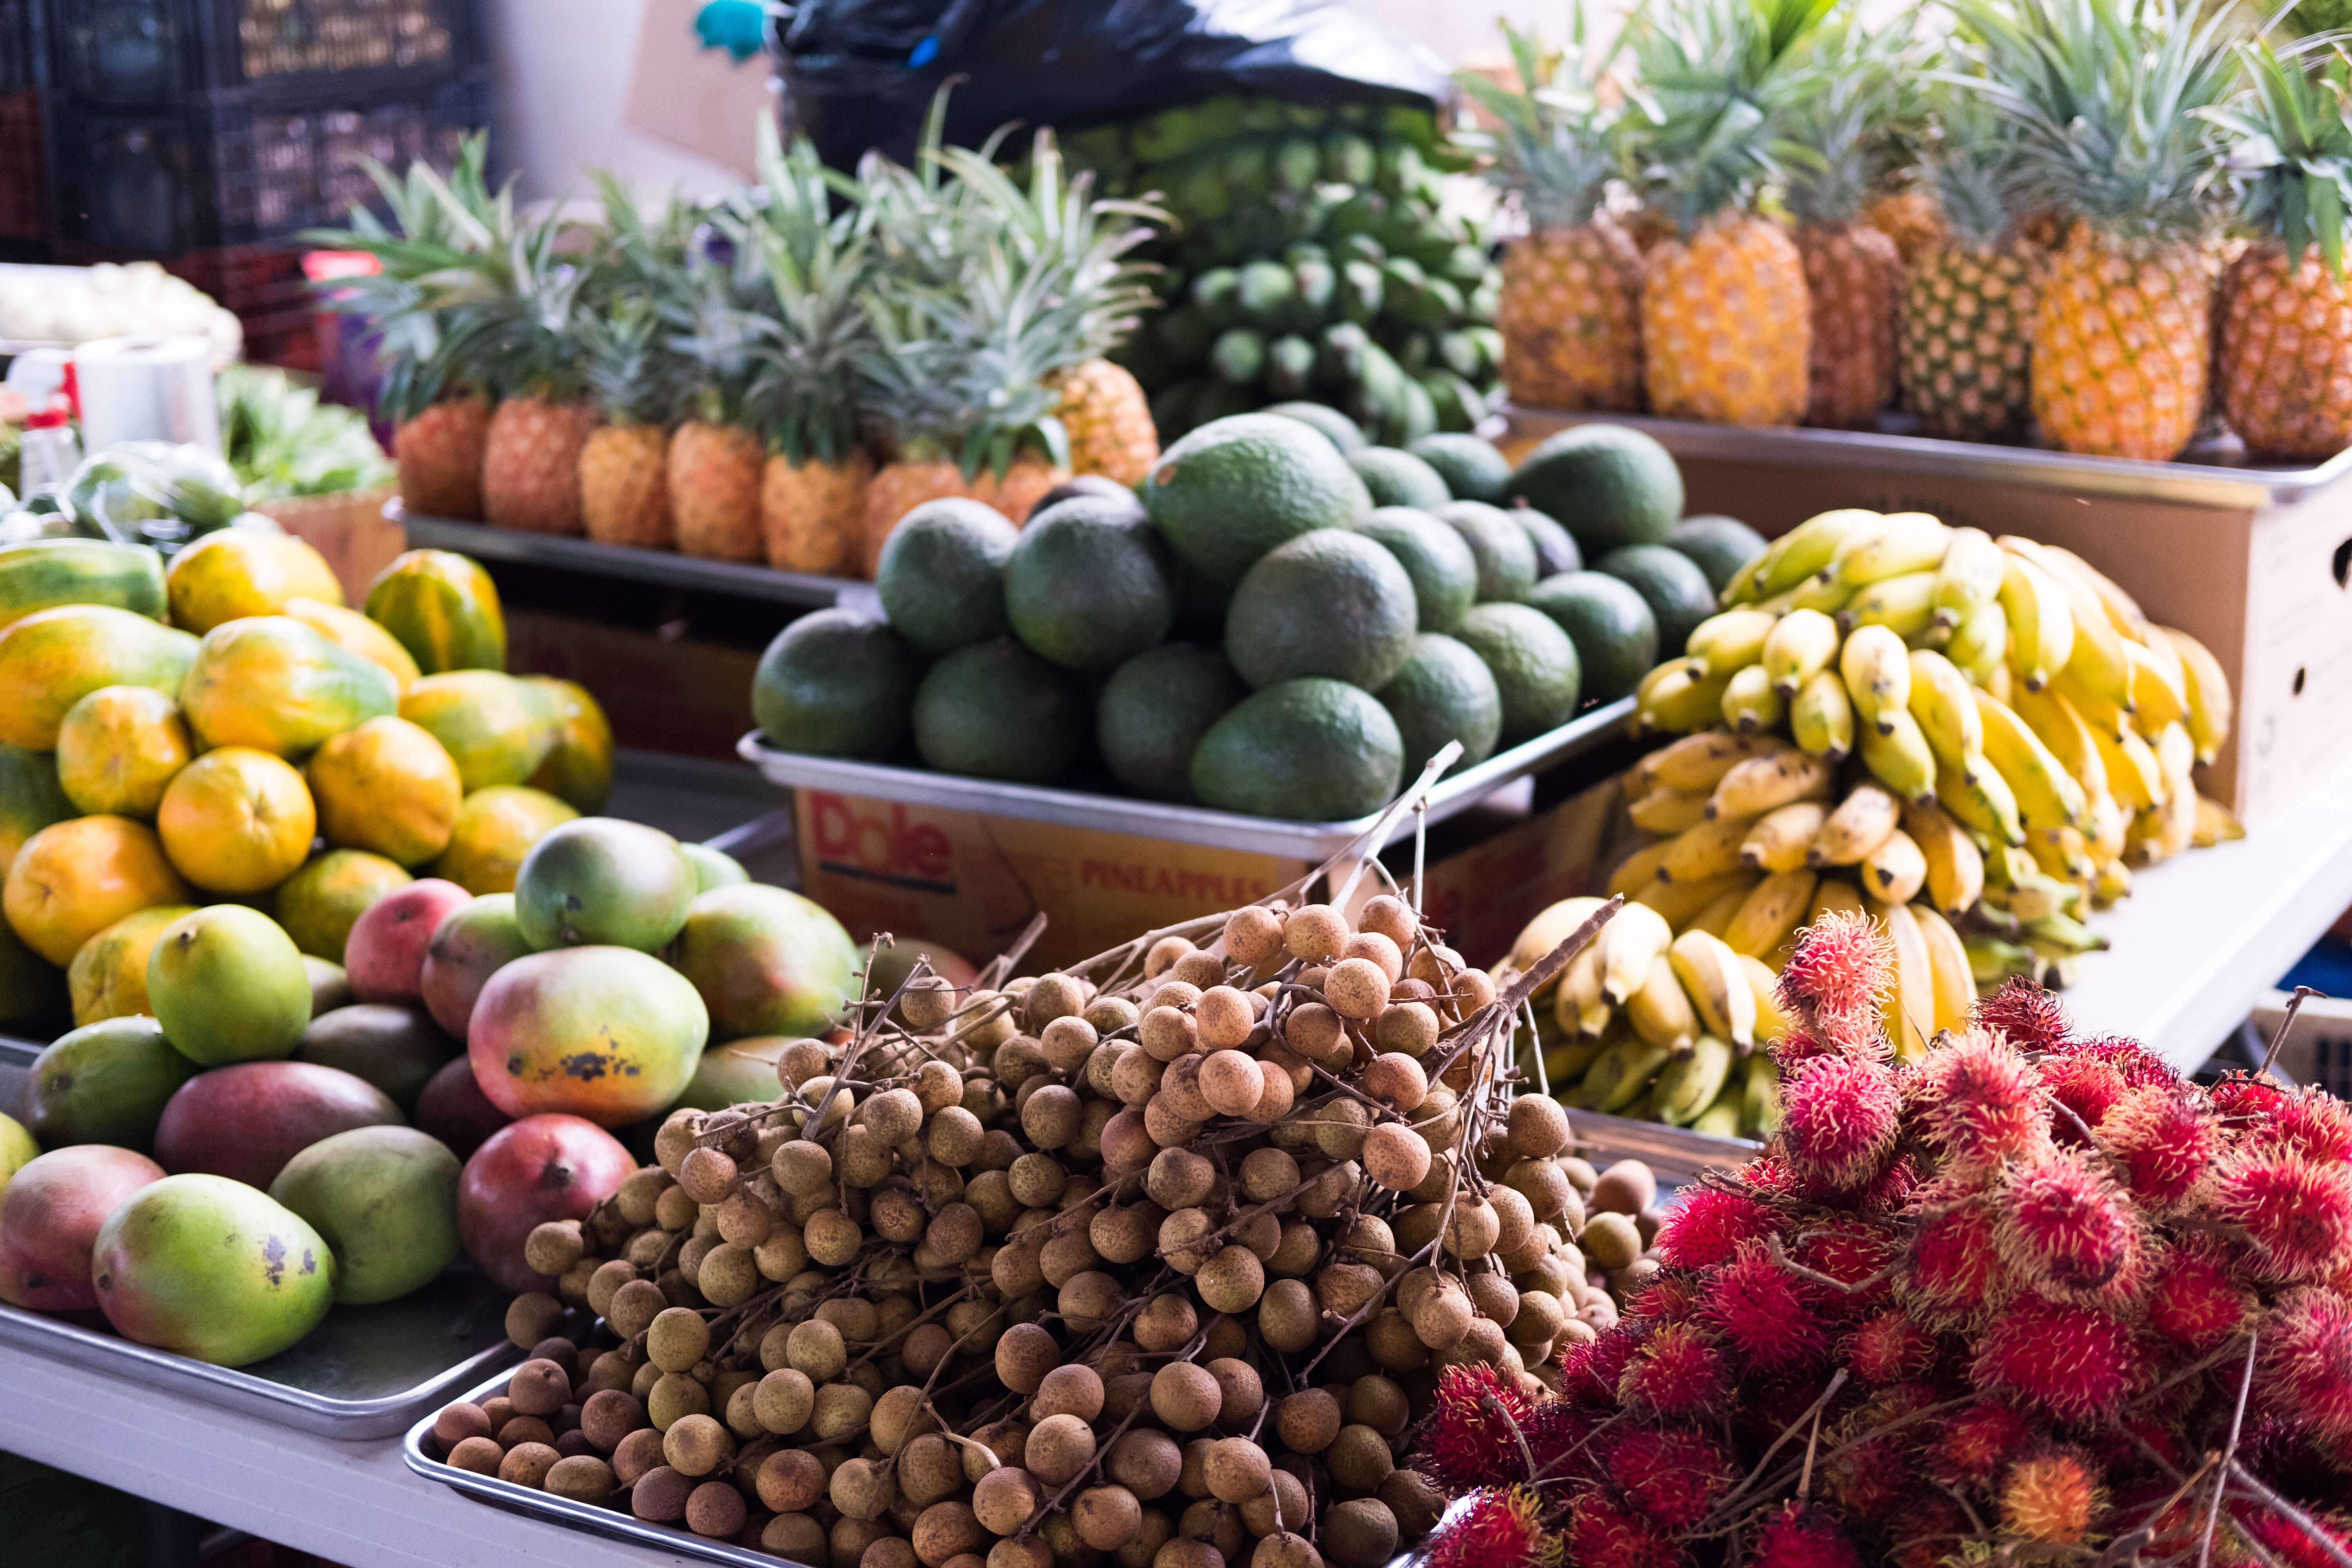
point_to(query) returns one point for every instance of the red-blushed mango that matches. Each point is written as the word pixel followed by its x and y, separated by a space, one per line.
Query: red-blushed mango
pixel 213 1269
pixel 579 771
pixel 354 633
pixel 272 683
pixel 51 1217
pixel 108 978
pixel 385 1200
pixel 233 573
pixel 396 1048
pixel 384 957
pixel 470 944
pixel 494 830
pixel 539 1169
pixel 106 1083
pixel 454 1109
pixel 237 821
pixel 52 659
pixel 228 985
pixel 118 747
pixel 388 787
pixel 246 1121
pixel 766 962
pixel 602 882
pixel 74 879
pixel 607 1033
pixel 319 904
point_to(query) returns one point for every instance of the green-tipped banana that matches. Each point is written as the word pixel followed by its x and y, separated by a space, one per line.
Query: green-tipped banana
pixel 1983 803
pixel 1567 1064
pixel 1684 700
pixel 1728 642
pixel 1637 1065
pixel 2035 896
pixel 1968 579
pixel 1800 645
pixel 1982 643
pixel 1689 1084
pixel 1906 543
pixel 1720 1120
pixel 1992 961
pixel 1901 604
pixel 1898 755
pixel 1944 704
pixel 1750 705
pixel 2041 622
pixel 1822 717
pixel 2063 936
pixel 2047 794
pixel 1759 1096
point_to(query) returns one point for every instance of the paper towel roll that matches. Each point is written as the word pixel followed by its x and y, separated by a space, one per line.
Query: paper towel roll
pixel 147 389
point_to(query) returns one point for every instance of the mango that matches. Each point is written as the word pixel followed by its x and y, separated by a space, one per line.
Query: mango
pixel 228 985
pixel 398 1049
pixel 30 798
pixel 118 747
pixel 52 658
pixel 233 573
pixel 74 879
pixel 444 609
pixel 211 1269
pixel 454 1109
pixel 470 944
pixel 712 868
pixel 734 1074
pixel 885 967
pixel 579 770
pixel 495 829
pixel 106 1083
pixel 51 1217
pixel 319 904
pixel 384 958
pixel 539 1169
pixel 601 882
pixel 33 993
pixel 385 1201
pixel 330 988
pixel 18 1150
pixel 244 1122
pixel 766 962
pixel 607 1033
pixel 108 978
pixel 354 633
pixel 497 729
pixel 271 683
pixel 387 786
pixel 237 820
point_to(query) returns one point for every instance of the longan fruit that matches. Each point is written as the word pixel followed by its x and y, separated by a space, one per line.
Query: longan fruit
pixel 1297 1250
pixel 1356 988
pixel 677 1339
pixel 1185 1397
pixel 1340 1126
pixel 862 1488
pixel 1287 1315
pixel 1107 1518
pixel 658 1496
pixel 480 1455
pixel 609 1416
pixel 554 1245
pixel 1025 1353
pixel 1037 1180
pixel 1167 1034
pixel 1240 1390
pixel 1384 914
pixel 1343 1288
pixel 1053 997
pixel 1179 1178
pixel 1069 1043
pixel 850 1539
pixel 926 1002
pixel 790 1480
pixel 815 1348
pixel 517 1430
pixel 1253 935
pixel 1314 933
pixel 1232 1281
pixel 1005 1498
pixel 1396 1081
pixel 1125 1236
pixel 715 1510
pixel 1031 1554
pixel 1222 1018
pixel 707 1174
pixel 697 1445
pixel 1069 1391
pixel 1109 1015
pixel 1380 1404
pixel 1396 1157
pixel 1182 1243
pixel 457 1422
pixel 899 1417
pixel 1184 1551
pixel 942 1531
pixel 1236 1470
pixel 1472 1231
pixel 1406 1029
pixel 839 1409
pixel 1058 1449
pixel 1283 1502
pixel 1146 1462
pixel 1359 1533
pixel 1163 955
pixel 1333 1188
pixel 1230 1082
pixel 1165 1324
pixel 1052 1116
pixel 1285 1550
pixel 1358 1458
pixel 1307 1421
pixel 583 1478
pixel 1317 1034
pixel 1275 1096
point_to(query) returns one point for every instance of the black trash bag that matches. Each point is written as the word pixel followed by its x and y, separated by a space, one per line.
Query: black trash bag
pixel 861 73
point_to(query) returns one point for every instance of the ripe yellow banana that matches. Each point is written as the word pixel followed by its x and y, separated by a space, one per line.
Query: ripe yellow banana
pixel 1695 763
pixel 1770 913
pixel 2175 753
pixel 1717 914
pixel 1750 705
pixel 1876 670
pixel 1777 840
pixel 1968 579
pixel 1943 703
pixel 1666 811
pixel 1947 966
pixel 1683 701
pixel 2134 774
pixel 1981 646
pixel 2041 622
pixel 1660 1010
pixel 1805 548
pixel 1801 645
pixel 1632 941
pixel 1910 1010
pixel 1815 593
pixel 2123 611
pixel 1999 682
pixel 1681 902
pixel 1579 1007
pixel 2059 727
pixel 2104 714
pixel 1729 641
pixel 2095 659
pixel 2109 824
pixel 1984 803
pixel 1548 931
pixel 1897 756
pixel 1759 1096
pixel 2062 853
pixel 1638 870
pixel 1859 825
pixel 1704 849
pixel 1766 784
pixel 1822 717
pixel 2047 796
pixel 1895 871
pixel 1765 987
pixel 2207 690
pixel 1718 987
pixel 2112 882
pixel 1905 543
pixel 1689 1084
pixel 2158 693
pixel 1834 894
pixel 1904 605
pixel 1955 865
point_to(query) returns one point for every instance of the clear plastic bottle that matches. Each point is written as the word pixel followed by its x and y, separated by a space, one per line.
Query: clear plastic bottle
pixel 50 453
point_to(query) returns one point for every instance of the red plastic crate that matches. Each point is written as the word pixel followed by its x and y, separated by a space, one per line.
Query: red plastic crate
pixel 23 171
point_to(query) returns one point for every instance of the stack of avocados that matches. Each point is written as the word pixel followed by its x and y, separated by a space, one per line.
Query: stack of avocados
pixel 1281 620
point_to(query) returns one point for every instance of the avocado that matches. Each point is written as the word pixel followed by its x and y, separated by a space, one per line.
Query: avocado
pixel 1556 550
pixel 1505 550
pixel 1340 429
pixel 1612 626
pixel 1719 546
pixel 835 684
pixel 1609 485
pixel 995 711
pixel 1444 692
pixel 1237 486
pixel 1534 664
pixel 1397 478
pixel 1153 712
pixel 1445 572
pixel 1088 584
pixel 1471 468
pixel 1308 751
pixel 941 574
pixel 1676 589
pixel 1330 603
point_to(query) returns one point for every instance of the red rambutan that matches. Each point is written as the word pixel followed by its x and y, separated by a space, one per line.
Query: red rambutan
pixel 2077 1363
pixel 1589 1373
pixel 2029 1017
pixel 2306 1360
pixel 1469 1440
pixel 1759 1311
pixel 1979 1103
pixel 1678 1371
pixel 2289 1543
pixel 1670 1474
pixel 1892 1189
pixel 1843 962
pixel 2192 1300
pixel 2067 1231
pixel 2296 1215
pixel 1953 1271
pixel 2165 1138
pixel 1770 1175
pixel 2313 1123
pixel 2247 1095
pixel 1559 1436
pixel 2128 1057
pixel 1854 1252
pixel 2051 1495
pixel 1796 1536
pixel 1604 1532
pixel 1839 1116
pixel 2084 1085
pixel 1708 1226
pixel 1800 1044
pixel 1975 1443
pixel 1923 1534
pixel 1890 1348
pixel 1502 1527
pixel 1666 1299
pixel 1871 1479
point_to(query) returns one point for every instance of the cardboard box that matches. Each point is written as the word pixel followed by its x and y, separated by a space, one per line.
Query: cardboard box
pixel 350 530
pixel 2265 587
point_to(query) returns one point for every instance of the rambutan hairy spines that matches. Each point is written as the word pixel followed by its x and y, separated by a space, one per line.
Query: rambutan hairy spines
pixel 2128 1057
pixel 1708 1226
pixel 1979 1103
pixel 2244 1095
pixel 1856 1252
pixel 2287 1542
pixel 1667 1298
pixel 1953 1272
pixel 2066 1230
pixel 2313 1123
pixel 1926 1532
pixel 1671 1475
pixel 1501 1527
pixel 1559 1435
pixel 1975 1443
pixel 2051 1495
pixel 2026 1015
pixel 2084 1085
pixel 1761 1311
pixel 2306 1360
pixel 1869 1478
pixel 1589 1373
pixel 1798 1536
pixel 1839 1117
pixel 2077 1362
pixel 2296 1216
pixel 1890 1348
pixel 1604 1532
pixel 1469 1438
pixel 2165 1138
pixel 1839 973
pixel 1679 1372
pixel 2192 1300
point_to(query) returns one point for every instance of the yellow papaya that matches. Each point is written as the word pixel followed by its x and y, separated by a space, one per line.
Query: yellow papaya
pixel 45 573
pixel 353 632
pixel 579 771
pixel 74 879
pixel 271 683
pixel 319 904
pixel 497 729
pixel 233 573
pixel 495 828
pixel 30 798
pixel 237 820
pixel 51 659
pixel 108 978
pixel 118 747
pixel 388 787
pixel 444 609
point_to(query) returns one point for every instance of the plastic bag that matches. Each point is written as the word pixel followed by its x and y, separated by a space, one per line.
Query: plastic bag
pixel 860 73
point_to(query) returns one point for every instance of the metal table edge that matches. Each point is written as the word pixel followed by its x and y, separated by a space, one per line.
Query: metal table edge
pixel 625 561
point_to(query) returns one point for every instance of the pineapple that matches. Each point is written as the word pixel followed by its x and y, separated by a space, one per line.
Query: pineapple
pixel 715 456
pixel 2286 319
pixel 624 467
pixel 1108 418
pixel 1912 217
pixel 1726 318
pixel 2108 98
pixel 1854 274
pixel 519 296
pixel 1968 304
pixel 439 452
pixel 1572 299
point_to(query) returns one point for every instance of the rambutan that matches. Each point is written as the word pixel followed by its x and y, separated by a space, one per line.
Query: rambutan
pixel 1589 1373
pixel 1761 1311
pixel 1708 1226
pixel 1975 1443
pixel 1667 1298
pixel 1770 1175
pixel 2051 1495
pixel 2289 1543
pixel 2248 1095
pixel 1892 1189
pixel 1871 1479
pixel 1923 1535
pixel 2027 1017
pixel 1953 1272
pixel 1559 1435
pixel 2297 1216
pixel 1678 1371
pixel 2165 1138
pixel 2193 1300
pixel 2074 1362
pixel 1890 1348
pixel 1837 979
pixel 2084 1085
pixel 2066 1230
pixel 1839 1116
pixel 1856 1252
pixel 1469 1438
pixel 1670 1474
pixel 2306 1360
pixel 1980 1103
pixel 1502 1527
pixel 1605 1532
pixel 1797 1536
pixel 2313 1123
pixel 2128 1057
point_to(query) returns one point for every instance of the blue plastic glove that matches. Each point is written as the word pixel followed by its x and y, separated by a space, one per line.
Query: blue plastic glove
pixel 738 27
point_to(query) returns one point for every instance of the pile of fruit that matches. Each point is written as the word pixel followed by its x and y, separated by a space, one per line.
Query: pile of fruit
pixel 1340 613
pixel 1161 1255
pixel 1311 253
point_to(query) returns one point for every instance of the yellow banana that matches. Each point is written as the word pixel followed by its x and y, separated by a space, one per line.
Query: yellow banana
pixel 1765 987
pixel 2040 621
pixel 1548 931
pixel 1910 1010
pixel 2123 611
pixel 1777 840
pixel 1694 764
pixel 1984 803
pixel 1641 1067
pixel 2158 694
pixel 1816 593
pixel 1690 1084
pixel 2109 822
pixel 1717 914
pixel 1750 705
pixel 1666 811
pixel 2175 753
pixel 2207 690
pixel 1834 894
pixel 1904 605
pixel 1718 987
pixel 2133 773
pixel 1805 548
pixel 2060 729
pixel 1720 1120
pixel 1729 641
pixel 1759 1096
pixel 1681 902
pixel 1704 849
pixel 1981 646
pixel 1579 1007
pixel 2047 796
pixel 1660 1010
pixel 1858 538
pixel 2062 853
pixel 1897 756
pixel 1821 718
pixel 1999 682
pixel 1905 543
pixel 1747 585
pixel 1895 871
pixel 1638 870
pixel 2112 882
pixel 2097 656
pixel 2008 866
pixel 1801 645
pixel 1955 864
pixel 2216 824
pixel 1631 940
pixel 1942 701
pixel 1859 825
pixel 1968 579
pixel 2104 714
pixel 1567 1062
pixel 1947 966
pixel 1619 1075
pixel 1876 670
pixel 1770 913
pixel 2034 896
pixel 1684 701
pixel 1766 784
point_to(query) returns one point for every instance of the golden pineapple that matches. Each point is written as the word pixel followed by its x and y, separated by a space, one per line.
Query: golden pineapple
pixel 899 488
pixel 714 490
pixel 531 463
pixel 1854 274
pixel 2121 343
pixel 625 485
pixel 1726 324
pixel 439 454
pixel 1912 217
pixel 1965 338
pixel 1104 411
pixel 813 514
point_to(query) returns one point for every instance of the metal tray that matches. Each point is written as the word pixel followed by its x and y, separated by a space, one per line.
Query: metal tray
pixel 627 563
pixel 1185 824
pixel 1676 1155
pixel 2210 475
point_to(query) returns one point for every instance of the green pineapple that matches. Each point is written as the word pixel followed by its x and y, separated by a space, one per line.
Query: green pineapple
pixel 1967 307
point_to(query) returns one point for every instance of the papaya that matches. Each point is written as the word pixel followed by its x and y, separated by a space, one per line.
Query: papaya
pixel 389 787
pixel 51 659
pixel 495 829
pixel 354 633
pixel 579 771
pixel 271 683
pixel 47 572
pixel 74 879
pixel 30 798
pixel 497 729
pixel 108 978
pixel 118 748
pixel 444 609
pixel 319 903
pixel 235 572
pixel 237 821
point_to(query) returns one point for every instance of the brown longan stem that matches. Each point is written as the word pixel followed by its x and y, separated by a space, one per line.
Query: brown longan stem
pixel 2228 1453
pixel 1369 1306
pixel 1102 1450
pixel 910 1324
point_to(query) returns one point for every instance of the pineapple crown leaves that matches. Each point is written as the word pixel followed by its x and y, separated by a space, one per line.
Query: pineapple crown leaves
pixel 963 373
pixel 2107 95
pixel 817 263
pixel 1835 136
pixel 631 373
pixel 1561 141
pixel 1971 165
pixel 2289 148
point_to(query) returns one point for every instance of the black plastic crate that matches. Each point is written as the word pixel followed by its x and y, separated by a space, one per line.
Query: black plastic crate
pixel 18 49
pixel 148 54
pixel 242 173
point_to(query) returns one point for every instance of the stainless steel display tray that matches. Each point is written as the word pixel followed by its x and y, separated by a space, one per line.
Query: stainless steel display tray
pixel 1185 824
pixel 627 562
pixel 1676 1155
pixel 2209 475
